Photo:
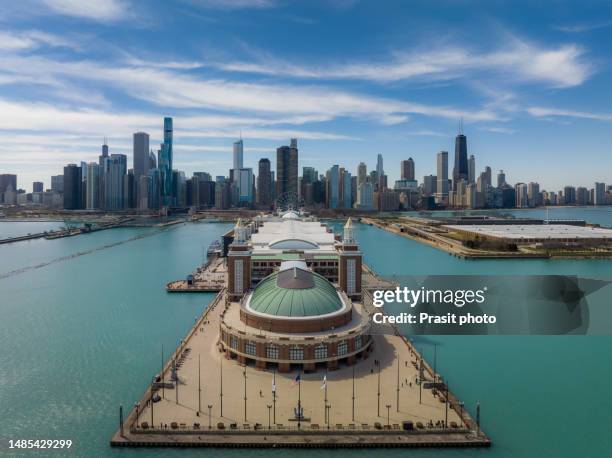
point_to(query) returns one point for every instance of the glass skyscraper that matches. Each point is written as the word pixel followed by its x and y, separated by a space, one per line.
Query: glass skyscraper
pixel 460 170
pixel 164 163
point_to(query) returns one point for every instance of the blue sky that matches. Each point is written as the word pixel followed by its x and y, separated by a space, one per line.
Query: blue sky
pixel 350 79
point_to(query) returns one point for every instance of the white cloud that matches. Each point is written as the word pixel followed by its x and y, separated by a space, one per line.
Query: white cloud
pixel 234 4
pixel 542 112
pixel 31 39
pixel 169 88
pixel 97 10
pixel 584 27
pixel 562 66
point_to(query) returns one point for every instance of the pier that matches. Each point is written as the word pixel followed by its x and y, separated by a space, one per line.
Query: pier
pixel 392 399
pixel 208 278
pixel 434 237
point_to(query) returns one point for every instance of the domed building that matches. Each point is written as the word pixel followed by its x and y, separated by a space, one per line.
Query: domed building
pixel 294 315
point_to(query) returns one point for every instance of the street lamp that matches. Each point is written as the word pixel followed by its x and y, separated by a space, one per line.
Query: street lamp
pixel 388 423
pixel 328 408
pixel 269 406
pixel 209 413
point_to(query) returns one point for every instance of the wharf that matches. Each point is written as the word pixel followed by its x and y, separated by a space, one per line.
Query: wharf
pixel 207 278
pixel 51 235
pixel 451 246
pixel 217 402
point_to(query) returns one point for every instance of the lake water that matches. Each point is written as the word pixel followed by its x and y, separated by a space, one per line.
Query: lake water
pixel 82 333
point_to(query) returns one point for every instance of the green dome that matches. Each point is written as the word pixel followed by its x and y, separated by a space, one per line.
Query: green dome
pixel 295 293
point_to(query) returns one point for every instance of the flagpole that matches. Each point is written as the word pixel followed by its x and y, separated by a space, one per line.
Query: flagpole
pixel 221 384
pixel 245 393
pixel 398 377
pixel 299 399
pixel 274 395
pixel 199 386
pixel 325 395
pixel 378 394
pixel 162 373
pixel 353 410
pixel 421 379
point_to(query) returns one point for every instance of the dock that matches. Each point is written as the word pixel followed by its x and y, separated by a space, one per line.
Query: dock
pixel 208 278
pixel 391 399
pixel 453 247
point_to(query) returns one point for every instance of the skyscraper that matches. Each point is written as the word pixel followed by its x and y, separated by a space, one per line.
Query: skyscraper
pixel 37 186
pixel 362 173
pixel 114 190
pixel 533 194
pixel 57 183
pixel 93 186
pixel 164 163
pixel 238 150
pixel 442 176
pixel 347 196
pixel 264 185
pixel 143 192
pixel 333 187
pixel 380 171
pixel 407 169
pixel 472 169
pixel 365 196
pixel 429 185
pixel 141 154
pixel 243 178
pixel 501 179
pixel 600 194
pixel 460 170
pixel 287 172
pixel 522 196
pixel 6 180
pixel 73 187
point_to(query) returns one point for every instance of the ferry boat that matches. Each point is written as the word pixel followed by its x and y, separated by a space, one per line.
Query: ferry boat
pixel 214 250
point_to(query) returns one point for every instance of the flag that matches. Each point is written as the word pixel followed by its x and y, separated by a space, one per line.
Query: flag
pixel 324 384
pixel 296 380
pixel 274 382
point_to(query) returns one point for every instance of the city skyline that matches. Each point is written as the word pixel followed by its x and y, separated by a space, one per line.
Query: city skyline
pixel 532 94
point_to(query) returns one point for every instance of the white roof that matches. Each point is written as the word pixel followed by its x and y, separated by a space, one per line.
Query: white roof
pixel 291 234
pixel 536 231
pixel 286 265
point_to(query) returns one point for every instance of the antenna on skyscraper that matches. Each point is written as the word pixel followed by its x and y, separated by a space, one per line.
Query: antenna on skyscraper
pixel 461 125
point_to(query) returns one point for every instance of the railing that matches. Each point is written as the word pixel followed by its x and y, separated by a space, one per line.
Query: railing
pixel 305 429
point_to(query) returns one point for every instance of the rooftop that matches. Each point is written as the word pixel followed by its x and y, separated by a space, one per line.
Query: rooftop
pixel 292 234
pixel 536 231
pixel 295 292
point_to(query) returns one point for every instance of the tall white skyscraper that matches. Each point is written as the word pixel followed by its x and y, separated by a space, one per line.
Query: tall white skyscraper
pixel 238 148
pixel 442 174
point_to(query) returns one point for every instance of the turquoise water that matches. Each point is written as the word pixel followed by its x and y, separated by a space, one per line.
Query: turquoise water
pixel 81 335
